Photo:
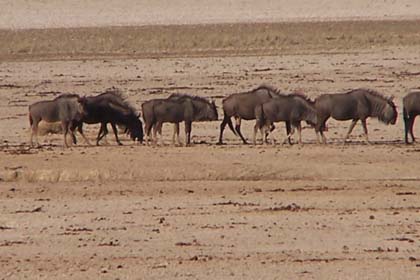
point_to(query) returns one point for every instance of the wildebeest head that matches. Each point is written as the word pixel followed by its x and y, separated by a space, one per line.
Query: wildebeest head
pixel 136 129
pixel 207 112
pixel 389 113
pixel 212 114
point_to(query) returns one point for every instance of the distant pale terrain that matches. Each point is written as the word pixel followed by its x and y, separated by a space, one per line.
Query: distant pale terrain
pixel 77 13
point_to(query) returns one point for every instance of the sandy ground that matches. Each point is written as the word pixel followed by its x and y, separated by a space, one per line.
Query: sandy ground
pixel 50 14
pixel 211 212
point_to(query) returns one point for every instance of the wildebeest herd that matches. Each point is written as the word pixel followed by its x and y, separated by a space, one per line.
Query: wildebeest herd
pixel 264 104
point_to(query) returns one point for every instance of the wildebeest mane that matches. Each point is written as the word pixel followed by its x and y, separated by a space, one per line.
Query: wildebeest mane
pixel 303 96
pixel 268 88
pixel 184 95
pixel 120 95
pixel 376 94
pixel 67 95
pixel 114 91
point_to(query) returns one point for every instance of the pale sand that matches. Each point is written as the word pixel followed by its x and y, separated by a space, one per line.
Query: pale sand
pixel 48 14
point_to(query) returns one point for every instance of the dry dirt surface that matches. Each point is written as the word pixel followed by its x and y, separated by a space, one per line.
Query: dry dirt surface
pixel 212 212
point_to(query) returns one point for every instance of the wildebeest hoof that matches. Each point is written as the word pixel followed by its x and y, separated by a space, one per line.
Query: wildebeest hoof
pixel 120 144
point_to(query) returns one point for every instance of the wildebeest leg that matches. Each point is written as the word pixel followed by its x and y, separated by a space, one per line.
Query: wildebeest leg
pixel 188 125
pixel 263 134
pixel 104 129
pixel 65 126
pixel 323 139
pixel 256 127
pixel 154 138
pixel 34 130
pixel 114 128
pixel 264 130
pixel 148 129
pixel 365 130
pixel 226 121
pixel 73 136
pixel 268 131
pixel 102 132
pixel 157 129
pixel 176 134
pixel 238 129
pixel 289 132
pixel 268 128
pixel 407 120
pixel 353 123
pixel 222 127
pixel 412 118
pixel 73 129
pixel 80 129
pixel 299 131
pixel 319 129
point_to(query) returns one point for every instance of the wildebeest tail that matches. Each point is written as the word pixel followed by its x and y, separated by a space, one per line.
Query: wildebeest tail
pixel 230 124
pixel 148 116
pixel 405 114
pixel 260 116
pixel 31 121
pixel 406 123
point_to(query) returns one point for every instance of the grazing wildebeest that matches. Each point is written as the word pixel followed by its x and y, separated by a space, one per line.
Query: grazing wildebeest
pixel 291 108
pixel 66 108
pixel 411 108
pixel 110 107
pixel 357 104
pixel 175 109
pixel 242 106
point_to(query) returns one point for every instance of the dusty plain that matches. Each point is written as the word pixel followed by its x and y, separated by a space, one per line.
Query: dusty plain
pixel 210 212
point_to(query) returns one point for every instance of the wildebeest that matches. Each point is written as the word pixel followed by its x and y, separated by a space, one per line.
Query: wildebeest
pixel 175 109
pixel 357 104
pixel 110 107
pixel 242 106
pixel 411 108
pixel 66 108
pixel 291 108
pixel 149 119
